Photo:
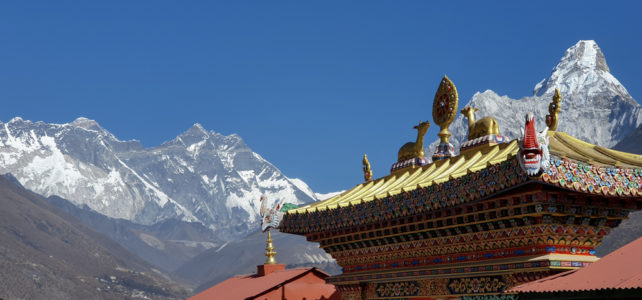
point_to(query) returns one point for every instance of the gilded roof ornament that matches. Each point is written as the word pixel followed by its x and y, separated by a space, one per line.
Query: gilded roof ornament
pixel 444 110
pixel 269 250
pixel 367 172
pixel 415 149
pixel 444 107
pixel 483 127
pixel 553 111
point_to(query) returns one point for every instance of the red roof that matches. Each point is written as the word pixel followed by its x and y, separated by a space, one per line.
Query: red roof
pixel 250 286
pixel 621 269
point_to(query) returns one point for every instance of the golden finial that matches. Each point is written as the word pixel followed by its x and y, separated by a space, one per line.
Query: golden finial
pixel 367 173
pixel 269 251
pixel 553 110
pixel 444 107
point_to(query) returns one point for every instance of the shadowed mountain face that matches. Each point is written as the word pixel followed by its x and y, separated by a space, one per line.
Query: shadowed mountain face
pixel 632 143
pixel 47 254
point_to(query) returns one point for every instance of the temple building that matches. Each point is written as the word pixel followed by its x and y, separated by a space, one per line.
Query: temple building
pixel 474 225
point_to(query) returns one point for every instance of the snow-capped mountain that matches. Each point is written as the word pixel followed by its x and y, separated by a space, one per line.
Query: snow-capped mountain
pixel 199 176
pixel 595 105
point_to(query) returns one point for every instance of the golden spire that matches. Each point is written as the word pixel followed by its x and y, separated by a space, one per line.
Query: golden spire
pixel 553 110
pixel 367 172
pixel 444 107
pixel 269 251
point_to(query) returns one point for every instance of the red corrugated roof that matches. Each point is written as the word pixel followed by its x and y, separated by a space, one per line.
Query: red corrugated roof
pixel 245 286
pixel 301 290
pixel 621 269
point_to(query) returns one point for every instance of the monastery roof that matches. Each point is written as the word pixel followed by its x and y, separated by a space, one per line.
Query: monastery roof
pixel 562 146
pixel 621 269
pixel 249 286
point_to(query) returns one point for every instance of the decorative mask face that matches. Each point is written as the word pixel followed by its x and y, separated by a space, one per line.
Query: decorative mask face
pixel 270 217
pixel 533 153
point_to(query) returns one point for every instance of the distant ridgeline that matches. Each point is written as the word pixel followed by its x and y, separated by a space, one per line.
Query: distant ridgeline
pixel 502 212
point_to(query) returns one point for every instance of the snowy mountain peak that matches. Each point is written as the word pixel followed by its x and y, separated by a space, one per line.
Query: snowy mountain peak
pixel 85 123
pixel 584 79
pixel 16 119
pixel 584 54
pixel 196 131
pixel 199 127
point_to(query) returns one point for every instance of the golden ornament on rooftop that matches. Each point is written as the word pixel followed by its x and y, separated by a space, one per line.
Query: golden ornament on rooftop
pixel 553 110
pixel 269 250
pixel 367 172
pixel 444 107
pixel 414 149
pixel 478 128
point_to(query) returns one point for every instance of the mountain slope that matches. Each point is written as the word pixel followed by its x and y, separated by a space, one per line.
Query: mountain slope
pixel 167 244
pixel 199 176
pixel 47 254
pixel 595 106
pixel 242 257
pixel 631 143
pixel 625 233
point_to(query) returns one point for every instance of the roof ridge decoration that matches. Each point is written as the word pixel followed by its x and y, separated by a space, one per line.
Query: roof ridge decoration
pixel 546 149
pixel 533 154
pixel 367 172
pixel 270 217
pixel 444 110
pixel 479 128
pixel 481 133
pixel 553 111
pixel 415 149
pixel 270 252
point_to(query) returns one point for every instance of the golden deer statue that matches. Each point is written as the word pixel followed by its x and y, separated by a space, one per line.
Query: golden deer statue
pixel 416 149
pixel 484 126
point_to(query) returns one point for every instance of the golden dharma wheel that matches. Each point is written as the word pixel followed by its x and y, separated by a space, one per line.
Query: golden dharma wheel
pixel 445 105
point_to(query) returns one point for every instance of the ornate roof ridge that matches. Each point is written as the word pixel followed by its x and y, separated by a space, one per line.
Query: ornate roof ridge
pixel 562 145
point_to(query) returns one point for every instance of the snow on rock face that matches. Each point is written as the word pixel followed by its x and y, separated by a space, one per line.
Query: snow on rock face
pixel 583 75
pixel 199 176
pixel 595 106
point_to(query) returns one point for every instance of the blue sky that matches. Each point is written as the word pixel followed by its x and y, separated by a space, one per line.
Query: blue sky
pixel 311 86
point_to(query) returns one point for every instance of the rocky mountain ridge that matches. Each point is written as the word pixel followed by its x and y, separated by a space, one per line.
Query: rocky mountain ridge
pixel 199 176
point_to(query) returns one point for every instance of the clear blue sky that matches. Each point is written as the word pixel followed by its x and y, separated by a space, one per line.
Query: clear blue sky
pixel 309 85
